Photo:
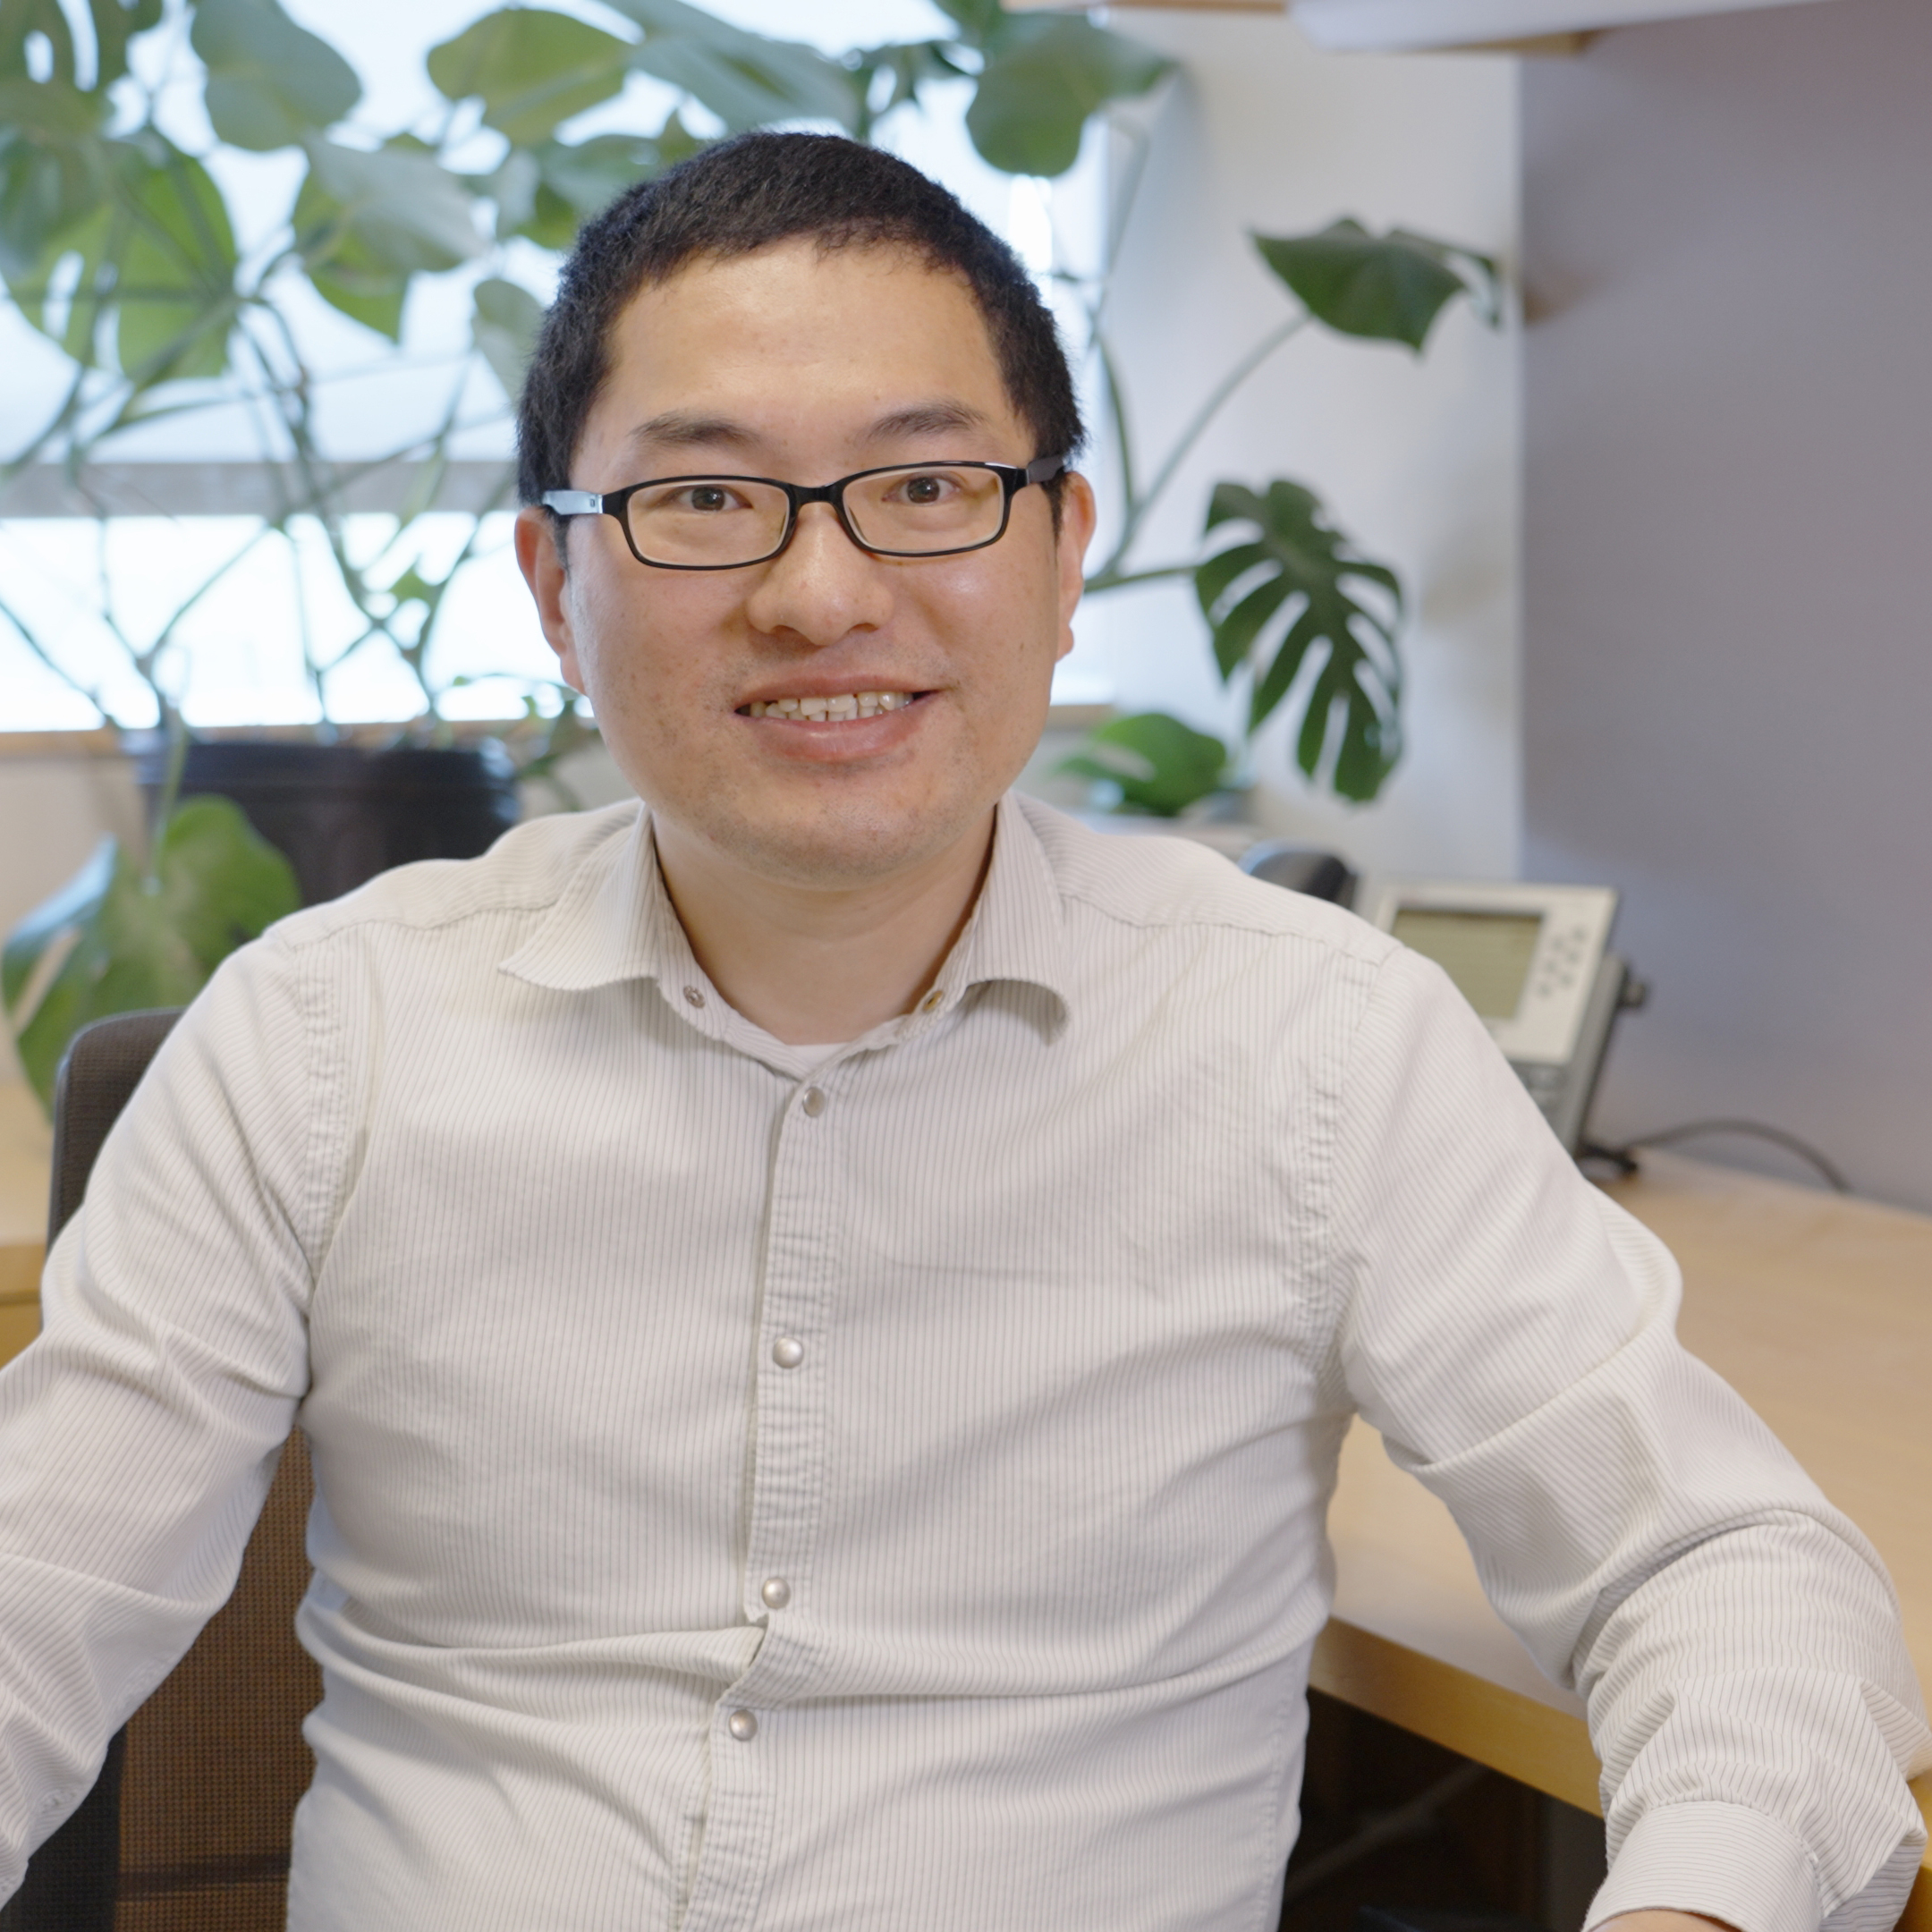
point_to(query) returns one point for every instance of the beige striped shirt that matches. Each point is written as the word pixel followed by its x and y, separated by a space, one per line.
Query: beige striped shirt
pixel 888 1493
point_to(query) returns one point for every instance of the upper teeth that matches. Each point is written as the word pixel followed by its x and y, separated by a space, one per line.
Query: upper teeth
pixel 848 705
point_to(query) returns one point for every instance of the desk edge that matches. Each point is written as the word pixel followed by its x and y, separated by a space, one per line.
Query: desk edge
pixel 1532 1742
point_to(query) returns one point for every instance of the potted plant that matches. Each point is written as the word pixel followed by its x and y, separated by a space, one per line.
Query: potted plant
pixel 118 244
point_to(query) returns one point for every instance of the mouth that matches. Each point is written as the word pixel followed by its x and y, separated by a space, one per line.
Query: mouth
pixel 833 710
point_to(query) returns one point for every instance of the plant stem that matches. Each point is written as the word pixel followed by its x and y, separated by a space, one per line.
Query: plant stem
pixel 1116 403
pixel 176 729
pixel 1114 578
pixel 47 658
pixel 1137 510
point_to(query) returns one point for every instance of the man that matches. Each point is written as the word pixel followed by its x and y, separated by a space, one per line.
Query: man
pixel 825 1309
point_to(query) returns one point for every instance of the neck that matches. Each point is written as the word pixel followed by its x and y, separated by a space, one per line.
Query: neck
pixel 817 965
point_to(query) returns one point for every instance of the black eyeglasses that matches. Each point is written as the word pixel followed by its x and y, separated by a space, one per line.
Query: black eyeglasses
pixel 725 522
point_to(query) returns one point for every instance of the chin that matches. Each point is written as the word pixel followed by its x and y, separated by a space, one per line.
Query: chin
pixel 855 844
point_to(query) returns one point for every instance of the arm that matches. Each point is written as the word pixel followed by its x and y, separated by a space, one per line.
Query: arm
pixel 138 1435
pixel 1736 1640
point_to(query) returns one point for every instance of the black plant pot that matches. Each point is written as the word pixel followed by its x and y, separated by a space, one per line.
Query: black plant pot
pixel 342 813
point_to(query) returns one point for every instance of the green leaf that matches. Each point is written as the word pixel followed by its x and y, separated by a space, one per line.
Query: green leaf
pixel 408 209
pixel 343 270
pixel 910 65
pixel 113 22
pixel 503 323
pixel 1158 764
pixel 77 327
pixel 530 68
pixel 980 22
pixel 1388 289
pixel 53 169
pixel 174 282
pixel 116 23
pixel 1292 564
pixel 746 80
pixel 546 192
pixel 20 21
pixel 269 81
pixel 115 941
pixel 1047 73
pixel 366 222
pixel 157 254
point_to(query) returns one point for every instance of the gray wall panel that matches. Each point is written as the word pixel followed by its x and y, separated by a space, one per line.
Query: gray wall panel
pixel 1727 537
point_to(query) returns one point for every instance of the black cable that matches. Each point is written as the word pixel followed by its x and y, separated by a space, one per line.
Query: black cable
pixel 1624 1158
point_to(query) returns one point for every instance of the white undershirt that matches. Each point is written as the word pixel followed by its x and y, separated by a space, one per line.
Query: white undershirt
pixel 816 1058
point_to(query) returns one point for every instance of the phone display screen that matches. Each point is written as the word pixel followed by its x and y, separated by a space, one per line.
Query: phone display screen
pixel 1488 954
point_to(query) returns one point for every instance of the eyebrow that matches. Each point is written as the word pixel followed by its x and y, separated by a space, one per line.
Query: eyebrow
pixel 926 419
pixel 678 429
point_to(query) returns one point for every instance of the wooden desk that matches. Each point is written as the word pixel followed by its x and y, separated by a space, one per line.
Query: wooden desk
pixel 1818 1310
pixel 26 1152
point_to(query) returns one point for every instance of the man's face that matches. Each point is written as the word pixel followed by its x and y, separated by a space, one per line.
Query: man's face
pixel 805 367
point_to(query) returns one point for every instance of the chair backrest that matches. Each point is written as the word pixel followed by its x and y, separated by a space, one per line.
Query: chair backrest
pixel 187 1828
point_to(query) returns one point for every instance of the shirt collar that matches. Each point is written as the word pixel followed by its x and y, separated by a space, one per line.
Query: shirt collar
pixel 614 922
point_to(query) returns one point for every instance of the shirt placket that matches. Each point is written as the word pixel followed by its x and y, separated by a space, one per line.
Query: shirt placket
pixel 788 1424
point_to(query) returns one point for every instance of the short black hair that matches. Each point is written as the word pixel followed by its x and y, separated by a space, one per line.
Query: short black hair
pixel 750 193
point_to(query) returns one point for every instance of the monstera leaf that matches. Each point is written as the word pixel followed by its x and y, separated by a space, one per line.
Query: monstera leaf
pixel 1279 593
pixel 1157 765
pixel 54 173
pixel 1388 288
pixel 269 81
pixel 47 23
pixel 115 940
pixel 530 68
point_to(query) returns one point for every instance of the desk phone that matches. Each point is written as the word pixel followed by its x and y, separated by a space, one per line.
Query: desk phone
pixel 1534 961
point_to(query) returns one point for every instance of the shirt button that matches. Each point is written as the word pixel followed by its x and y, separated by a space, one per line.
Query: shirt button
pixel 775 1592
pixel 788 1352
pixel 815 1101
pixel 934 1000
pixel 693 996
pixel 742 1726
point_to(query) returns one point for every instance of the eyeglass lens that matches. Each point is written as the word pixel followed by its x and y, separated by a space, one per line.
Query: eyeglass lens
pixel 719 521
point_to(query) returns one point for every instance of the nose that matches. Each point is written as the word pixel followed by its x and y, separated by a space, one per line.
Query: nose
pixel 822 587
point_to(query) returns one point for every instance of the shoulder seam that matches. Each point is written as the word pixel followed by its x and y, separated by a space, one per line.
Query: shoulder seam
pixel 1218 921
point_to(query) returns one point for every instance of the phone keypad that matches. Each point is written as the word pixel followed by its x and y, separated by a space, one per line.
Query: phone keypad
pixel 1561 962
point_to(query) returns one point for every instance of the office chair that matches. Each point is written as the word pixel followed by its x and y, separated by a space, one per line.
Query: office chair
pixel 187 1827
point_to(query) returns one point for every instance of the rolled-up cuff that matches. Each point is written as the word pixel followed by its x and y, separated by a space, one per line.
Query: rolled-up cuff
pixel 1722 1861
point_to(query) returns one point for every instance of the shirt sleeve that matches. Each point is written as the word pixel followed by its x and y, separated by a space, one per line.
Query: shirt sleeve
pixel 139 1433
pixel 1510 1333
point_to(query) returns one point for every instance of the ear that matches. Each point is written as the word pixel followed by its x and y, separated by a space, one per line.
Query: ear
pixel 540 554
pixel 1078 515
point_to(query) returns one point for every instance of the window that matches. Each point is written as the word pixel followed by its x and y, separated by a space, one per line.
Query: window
pixel 259 628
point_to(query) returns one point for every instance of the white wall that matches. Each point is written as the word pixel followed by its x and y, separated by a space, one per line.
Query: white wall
pixel 1418 459
pixel 1728 683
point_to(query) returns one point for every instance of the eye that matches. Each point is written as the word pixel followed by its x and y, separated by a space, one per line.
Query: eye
pixel 927 489
pixel 708 497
